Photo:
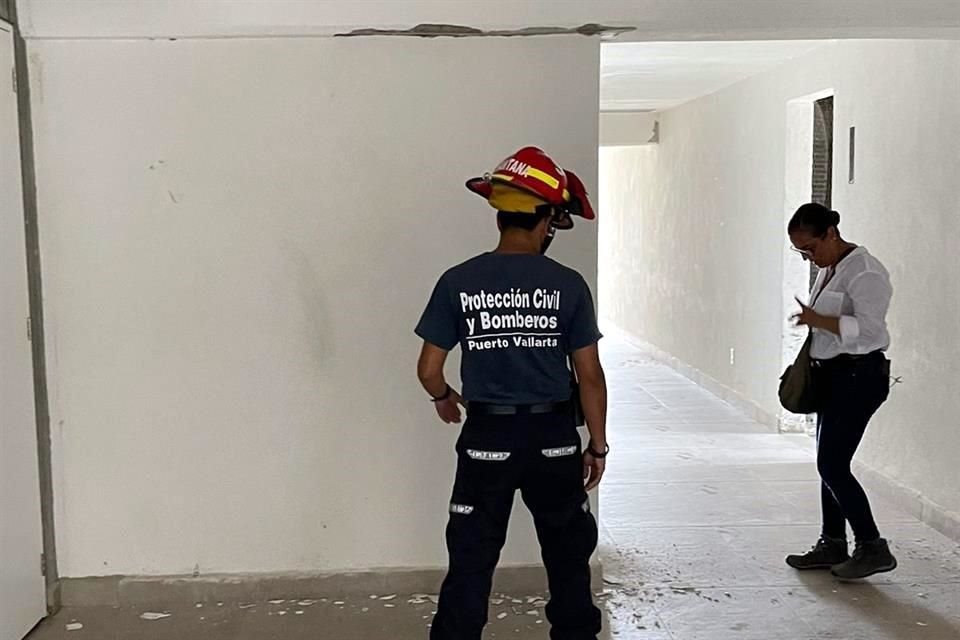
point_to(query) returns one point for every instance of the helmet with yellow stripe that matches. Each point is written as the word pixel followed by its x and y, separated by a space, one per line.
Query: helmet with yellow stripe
pixel 529 181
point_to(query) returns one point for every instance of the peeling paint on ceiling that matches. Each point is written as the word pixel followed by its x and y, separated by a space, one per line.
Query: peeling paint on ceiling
pixel 459 31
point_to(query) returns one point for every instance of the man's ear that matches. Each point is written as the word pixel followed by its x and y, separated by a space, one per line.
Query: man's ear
pixel 544 225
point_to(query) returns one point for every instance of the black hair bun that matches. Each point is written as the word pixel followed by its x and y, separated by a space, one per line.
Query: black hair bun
pixel 834 219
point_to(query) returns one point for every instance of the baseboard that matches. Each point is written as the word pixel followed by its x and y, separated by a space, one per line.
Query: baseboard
pixel 910 500
pixel 253 587
pixel 733 398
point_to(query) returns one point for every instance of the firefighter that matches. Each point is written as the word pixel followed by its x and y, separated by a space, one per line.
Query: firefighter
pixel 519 318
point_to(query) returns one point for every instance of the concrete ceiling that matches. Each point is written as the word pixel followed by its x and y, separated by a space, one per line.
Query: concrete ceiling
pixel 649 20
pixel 653 76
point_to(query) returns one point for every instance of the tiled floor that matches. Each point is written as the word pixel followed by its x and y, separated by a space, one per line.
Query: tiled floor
pixel 699 507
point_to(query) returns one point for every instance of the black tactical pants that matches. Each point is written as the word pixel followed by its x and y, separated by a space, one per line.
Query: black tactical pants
pixel 540 455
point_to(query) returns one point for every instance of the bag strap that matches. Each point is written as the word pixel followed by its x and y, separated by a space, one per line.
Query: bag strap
pixel 833 272
pixel 813 301
pixel 826 281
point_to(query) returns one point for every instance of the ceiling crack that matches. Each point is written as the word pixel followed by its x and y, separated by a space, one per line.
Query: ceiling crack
pixel 459 31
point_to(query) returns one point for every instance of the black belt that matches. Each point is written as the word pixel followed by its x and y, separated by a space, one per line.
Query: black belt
pixel 487 409
pixel 849 358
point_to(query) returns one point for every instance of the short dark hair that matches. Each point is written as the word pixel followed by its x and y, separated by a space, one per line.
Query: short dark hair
pixel 814 218
pixel 525 221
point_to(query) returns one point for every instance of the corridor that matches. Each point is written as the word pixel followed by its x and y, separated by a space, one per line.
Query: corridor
pixel 222 220
pixel 699 506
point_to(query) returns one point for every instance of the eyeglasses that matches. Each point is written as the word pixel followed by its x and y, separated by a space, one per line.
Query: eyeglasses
pixel 807 251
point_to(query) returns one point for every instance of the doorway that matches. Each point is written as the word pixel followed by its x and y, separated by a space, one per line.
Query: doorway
pixel 22 587
pixel 809 178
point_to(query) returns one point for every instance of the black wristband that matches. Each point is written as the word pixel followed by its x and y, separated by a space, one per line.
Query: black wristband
pixel 446 394
pixel 596 454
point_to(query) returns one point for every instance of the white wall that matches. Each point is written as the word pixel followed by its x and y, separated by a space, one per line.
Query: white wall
pixel 627 128
pixel 698 223
pixel 238 237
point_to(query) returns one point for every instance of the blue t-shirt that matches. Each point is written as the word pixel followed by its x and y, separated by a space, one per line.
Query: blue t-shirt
pixel 516 318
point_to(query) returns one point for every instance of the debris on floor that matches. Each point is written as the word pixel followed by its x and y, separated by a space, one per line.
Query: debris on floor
pixel 151 615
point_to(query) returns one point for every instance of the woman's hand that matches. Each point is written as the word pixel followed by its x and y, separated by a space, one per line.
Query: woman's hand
pixel 806 316
pixel 810 318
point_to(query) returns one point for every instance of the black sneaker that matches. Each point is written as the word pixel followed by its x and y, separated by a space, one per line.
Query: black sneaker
pixel 868 558
pixel 824 555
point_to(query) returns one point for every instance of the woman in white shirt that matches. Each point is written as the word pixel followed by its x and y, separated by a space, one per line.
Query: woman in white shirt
pixel 847 315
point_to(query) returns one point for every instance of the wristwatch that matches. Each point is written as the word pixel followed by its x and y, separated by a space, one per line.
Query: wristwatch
pixel 446 394
pixel 596 454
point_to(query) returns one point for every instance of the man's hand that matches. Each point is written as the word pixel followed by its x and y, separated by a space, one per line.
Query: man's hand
pixel 593 469
pixel 430 372
pixel 449 408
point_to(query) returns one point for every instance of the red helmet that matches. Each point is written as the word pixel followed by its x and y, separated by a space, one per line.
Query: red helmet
pixel 533 171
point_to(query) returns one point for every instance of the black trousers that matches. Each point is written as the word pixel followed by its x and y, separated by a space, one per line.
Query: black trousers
pixel 539 455
pixel 852 391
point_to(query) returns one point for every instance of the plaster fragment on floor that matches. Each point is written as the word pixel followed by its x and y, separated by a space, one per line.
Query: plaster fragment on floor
pixel 151 615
